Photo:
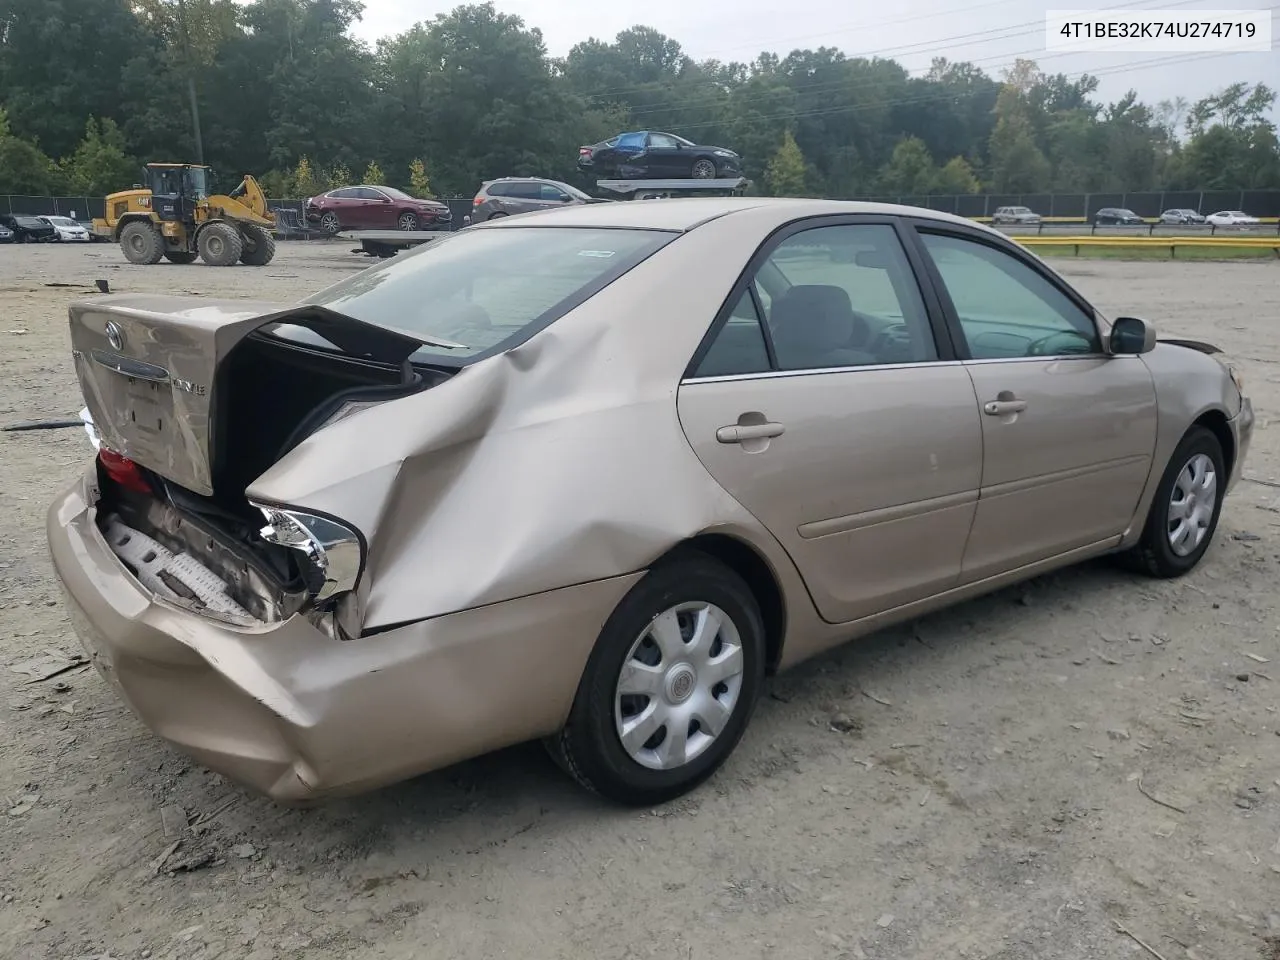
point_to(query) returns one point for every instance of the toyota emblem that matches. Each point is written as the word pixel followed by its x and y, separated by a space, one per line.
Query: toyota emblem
pixel 114 336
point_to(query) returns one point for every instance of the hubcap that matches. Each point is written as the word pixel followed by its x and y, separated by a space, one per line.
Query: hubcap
pixel 679 685
pixel 408 223
pixel 1191 505
pixel 704 170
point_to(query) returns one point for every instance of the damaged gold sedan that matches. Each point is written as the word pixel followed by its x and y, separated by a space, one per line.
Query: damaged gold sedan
pixel 590 475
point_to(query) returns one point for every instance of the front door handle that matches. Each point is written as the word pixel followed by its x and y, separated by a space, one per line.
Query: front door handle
pixel 741 432
pixel 998 408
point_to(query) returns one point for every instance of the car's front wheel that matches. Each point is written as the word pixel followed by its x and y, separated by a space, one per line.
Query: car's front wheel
pixel 1184 513
pixel 704 169
pixel 670 685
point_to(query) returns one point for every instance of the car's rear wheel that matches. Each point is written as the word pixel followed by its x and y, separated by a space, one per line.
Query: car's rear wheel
pixel 496 214
pixel 704 169
pixel 669 687
pixel 329 223
pixel 1184 513
pixel 408 221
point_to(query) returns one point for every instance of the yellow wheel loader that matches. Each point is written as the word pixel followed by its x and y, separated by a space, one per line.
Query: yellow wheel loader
pixel 175 218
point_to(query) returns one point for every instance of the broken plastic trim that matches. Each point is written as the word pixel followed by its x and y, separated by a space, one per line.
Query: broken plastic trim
pixel 87 419
pixel 334 549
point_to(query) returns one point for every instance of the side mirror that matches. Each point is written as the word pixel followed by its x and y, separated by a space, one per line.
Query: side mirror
pixel 1129 335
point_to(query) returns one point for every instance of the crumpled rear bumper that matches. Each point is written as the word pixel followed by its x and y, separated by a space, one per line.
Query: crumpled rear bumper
pixel 293 713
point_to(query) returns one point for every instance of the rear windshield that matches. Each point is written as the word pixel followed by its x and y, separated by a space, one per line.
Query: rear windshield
pixel 481 291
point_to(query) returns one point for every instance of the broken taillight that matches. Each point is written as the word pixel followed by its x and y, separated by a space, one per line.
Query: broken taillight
pixel 123 471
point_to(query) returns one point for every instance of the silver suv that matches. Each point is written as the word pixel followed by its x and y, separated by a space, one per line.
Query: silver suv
pixel 509 195
pixel 1015 215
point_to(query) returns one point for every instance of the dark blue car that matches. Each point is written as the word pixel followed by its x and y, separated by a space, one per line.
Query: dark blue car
pixel 650 155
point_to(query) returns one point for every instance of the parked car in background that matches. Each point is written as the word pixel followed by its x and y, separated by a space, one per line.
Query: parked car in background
pixel 1181 215
pixel 1117 216
pixel 337 581
pixel 67 230
pixel 6 235
pixel 508 195
pixel 650 155
pixel 367 207
pixel 1015 215
pixel 28 229
pixel 1232 218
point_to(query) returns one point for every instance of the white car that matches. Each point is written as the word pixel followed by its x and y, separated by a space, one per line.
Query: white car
pixel 1231 218
pixel 68 230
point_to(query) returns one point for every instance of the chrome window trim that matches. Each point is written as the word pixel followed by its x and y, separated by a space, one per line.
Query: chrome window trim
pixel 913 365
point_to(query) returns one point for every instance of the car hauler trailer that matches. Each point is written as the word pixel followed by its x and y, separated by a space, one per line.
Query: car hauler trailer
pixel 387 243
pixel 664 189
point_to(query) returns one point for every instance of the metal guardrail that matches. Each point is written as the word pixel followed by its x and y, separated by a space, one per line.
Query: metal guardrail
pixel 1172 243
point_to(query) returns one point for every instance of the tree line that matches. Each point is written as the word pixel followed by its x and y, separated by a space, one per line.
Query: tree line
pixel 92 89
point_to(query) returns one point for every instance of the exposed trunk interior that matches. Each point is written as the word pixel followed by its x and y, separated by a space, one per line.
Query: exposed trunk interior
pixel 205 552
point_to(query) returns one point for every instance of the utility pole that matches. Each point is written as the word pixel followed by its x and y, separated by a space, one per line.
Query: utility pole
pixel 191 79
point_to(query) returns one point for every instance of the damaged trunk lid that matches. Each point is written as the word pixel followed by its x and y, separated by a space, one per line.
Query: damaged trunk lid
pixel 153 371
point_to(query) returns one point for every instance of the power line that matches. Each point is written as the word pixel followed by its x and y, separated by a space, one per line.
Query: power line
pixel 858 107
pixel 939 45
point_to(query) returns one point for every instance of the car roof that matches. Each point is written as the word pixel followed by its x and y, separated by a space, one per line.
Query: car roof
pixel 686 213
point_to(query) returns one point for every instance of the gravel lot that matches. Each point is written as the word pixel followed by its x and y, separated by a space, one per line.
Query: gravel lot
pixel 1025 776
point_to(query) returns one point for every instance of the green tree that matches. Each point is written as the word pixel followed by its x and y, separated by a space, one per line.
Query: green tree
pixel 910 171
pixel 956 176
pixel 419 183
pixel 100 164
pixel 1017 163
pixel 785 174
pixel 338 176
pixel 373 174
pixel 24 168
pixel 305 181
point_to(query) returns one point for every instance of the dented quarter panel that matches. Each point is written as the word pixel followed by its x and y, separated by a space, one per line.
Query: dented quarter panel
pixel 561 461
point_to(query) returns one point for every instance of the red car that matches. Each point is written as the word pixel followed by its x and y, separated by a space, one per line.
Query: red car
pixel 376 208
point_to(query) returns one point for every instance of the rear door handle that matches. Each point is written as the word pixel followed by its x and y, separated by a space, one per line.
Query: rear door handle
pixel 740 432
pixel 998 408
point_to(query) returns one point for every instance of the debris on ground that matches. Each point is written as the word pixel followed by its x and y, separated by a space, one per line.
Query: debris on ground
pixel 48 665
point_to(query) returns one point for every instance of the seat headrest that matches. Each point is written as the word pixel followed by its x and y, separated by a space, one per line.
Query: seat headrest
pixel 816 317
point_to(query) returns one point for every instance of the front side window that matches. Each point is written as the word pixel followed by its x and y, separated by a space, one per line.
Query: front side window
pixel 662 141
pixel 475 290
pixel 1004 306
pixel 548 192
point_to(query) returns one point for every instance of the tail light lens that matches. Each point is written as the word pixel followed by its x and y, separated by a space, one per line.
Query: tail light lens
pixel 477 201
pixel 584 151
pixel 123 471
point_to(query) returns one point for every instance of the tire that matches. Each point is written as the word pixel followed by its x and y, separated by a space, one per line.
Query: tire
pixel 680 593
pixel 330 223
pixel 141 243
pixel 704 169
pixel 1157 554
pixel 180 257
pixel 259 246
pixel 408 221
pixel 495 216
pixel 220 244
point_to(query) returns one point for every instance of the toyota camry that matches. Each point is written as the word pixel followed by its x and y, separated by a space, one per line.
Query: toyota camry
pixel 589 477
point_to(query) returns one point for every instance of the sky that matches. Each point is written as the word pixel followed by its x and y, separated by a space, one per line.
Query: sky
pixel 991 33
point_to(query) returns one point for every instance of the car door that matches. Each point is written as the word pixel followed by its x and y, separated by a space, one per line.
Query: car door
pixel 1068 430
pixel 627 151
pixel 823 403
pixel 550 196
pixel 372 209
pixel 664 157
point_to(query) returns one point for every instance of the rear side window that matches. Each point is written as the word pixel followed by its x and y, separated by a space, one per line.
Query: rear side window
pixel 478 291
pixel 739 347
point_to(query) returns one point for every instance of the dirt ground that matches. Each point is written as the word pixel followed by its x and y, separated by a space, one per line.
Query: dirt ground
pixel 1026 776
